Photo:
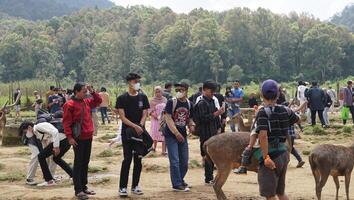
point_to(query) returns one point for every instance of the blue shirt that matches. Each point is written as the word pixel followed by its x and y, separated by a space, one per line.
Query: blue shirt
pixel 237 93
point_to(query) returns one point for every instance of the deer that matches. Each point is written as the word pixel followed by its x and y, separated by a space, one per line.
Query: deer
pixel 334 160
pixel 233 145
pixel 3 111
pixel 225 151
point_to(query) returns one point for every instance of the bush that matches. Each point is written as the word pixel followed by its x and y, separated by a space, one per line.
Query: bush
pixel 347 129
pixel 2 166
pixel 306 152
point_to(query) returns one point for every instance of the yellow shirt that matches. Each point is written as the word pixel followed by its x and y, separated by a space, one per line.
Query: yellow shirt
pixel 105 99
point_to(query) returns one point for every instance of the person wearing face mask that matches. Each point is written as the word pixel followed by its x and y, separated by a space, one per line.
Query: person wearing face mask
pixel 178 115
pixel 207 118
pixel 78 110
pixel 132 107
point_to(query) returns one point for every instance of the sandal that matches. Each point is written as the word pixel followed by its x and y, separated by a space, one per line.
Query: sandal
pixel 89 192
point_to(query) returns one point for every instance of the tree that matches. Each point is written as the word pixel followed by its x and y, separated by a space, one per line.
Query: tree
pixel 235 73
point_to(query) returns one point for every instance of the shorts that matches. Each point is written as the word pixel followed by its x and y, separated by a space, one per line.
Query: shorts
pixel 18 108
pixel 272 182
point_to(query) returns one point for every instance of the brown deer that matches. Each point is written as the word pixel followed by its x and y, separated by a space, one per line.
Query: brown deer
pixel 3 111
pixel 228 157
pixel 240 123
pixel 334 160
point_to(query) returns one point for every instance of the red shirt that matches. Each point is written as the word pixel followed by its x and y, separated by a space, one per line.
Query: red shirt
pixel 72 114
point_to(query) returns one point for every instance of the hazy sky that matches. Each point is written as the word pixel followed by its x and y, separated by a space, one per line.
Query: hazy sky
pixel 322 9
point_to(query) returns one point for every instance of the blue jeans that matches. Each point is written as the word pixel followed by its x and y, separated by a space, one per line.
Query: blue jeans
pixel 230 114
pixel 104 114
pixel 178 157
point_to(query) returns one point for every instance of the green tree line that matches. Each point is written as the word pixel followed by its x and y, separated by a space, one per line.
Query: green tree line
pixel 104 45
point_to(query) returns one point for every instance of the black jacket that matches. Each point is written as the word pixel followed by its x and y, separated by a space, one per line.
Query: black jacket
pixel 329 101
pixel 316 98
pixel 207 123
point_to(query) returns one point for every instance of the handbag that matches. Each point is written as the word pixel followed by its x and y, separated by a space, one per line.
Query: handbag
pixel 76 127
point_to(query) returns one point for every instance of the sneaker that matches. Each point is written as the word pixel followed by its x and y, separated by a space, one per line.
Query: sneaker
pixel 186 185
pixel 209 183
pixel 137 191
pixel 47 183
pixel 82 196
pixel 300 164
pixel 31 182
pixel 241 170
pixel 123 192
pixel 181 189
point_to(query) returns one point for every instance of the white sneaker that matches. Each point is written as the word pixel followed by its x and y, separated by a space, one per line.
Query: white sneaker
pixel 137 191
pixel 47 184
pixel 123 192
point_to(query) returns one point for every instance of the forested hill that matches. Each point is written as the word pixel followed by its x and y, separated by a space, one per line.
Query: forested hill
pixel 104 45
pixel 46 9
pixel 345 18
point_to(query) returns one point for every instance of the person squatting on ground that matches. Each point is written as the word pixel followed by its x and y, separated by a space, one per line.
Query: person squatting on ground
pixel 207 119
pixel 132 107
pixel 78 128
pixel 178 115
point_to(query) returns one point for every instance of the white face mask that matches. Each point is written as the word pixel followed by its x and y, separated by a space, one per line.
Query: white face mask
pixel 136 86
pixel 179 95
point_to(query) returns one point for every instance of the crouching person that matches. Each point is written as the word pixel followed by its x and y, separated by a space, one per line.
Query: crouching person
pixel 57 148
pixel 178 115
pixel 36 145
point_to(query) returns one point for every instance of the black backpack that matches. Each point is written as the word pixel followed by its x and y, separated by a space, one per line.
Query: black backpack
pixel 55 119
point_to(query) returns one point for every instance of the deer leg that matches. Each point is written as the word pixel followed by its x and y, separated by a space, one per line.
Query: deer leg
pixel 317 177
pixel 220 179
pixel 347 183
pixel 336 181
pixel 323 181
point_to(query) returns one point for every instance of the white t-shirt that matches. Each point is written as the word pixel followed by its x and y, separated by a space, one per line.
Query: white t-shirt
pixel 301 93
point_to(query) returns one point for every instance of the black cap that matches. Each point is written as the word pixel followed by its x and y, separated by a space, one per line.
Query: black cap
pixel 132 76
pixel 182 84
pixel 210 84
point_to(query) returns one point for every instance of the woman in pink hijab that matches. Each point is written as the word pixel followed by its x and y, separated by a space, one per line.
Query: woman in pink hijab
pixel 157 105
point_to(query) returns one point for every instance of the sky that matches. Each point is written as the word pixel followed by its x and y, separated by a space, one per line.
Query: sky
pixel 322 9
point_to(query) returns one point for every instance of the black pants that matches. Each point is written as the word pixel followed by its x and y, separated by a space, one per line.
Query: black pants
pixel 208 165
pixel 82 154
pixel 128 157
pixel 320 115
pixel 294 151
pixel 48 151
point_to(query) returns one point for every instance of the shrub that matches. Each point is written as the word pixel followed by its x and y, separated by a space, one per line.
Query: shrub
pixel 95 169
pixel 347 129
pixel 12 176
pixel 306 152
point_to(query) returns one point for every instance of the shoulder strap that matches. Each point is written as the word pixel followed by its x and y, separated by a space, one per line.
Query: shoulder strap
pixel 174 104
pixel 82 112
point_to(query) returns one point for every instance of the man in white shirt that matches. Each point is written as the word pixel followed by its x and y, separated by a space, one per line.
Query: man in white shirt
pixel 58 147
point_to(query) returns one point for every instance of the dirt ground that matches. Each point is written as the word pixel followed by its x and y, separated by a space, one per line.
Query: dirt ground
pixel 155 179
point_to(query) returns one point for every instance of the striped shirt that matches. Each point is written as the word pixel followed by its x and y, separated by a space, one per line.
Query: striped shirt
pixel 277 124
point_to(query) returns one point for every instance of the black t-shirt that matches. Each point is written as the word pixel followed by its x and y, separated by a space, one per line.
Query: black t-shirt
pixel 133 107
pixel 180 115
pixel 280 120
pixel 15 98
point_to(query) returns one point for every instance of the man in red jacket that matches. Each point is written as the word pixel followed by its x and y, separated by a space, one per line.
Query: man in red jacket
pixel 82 145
